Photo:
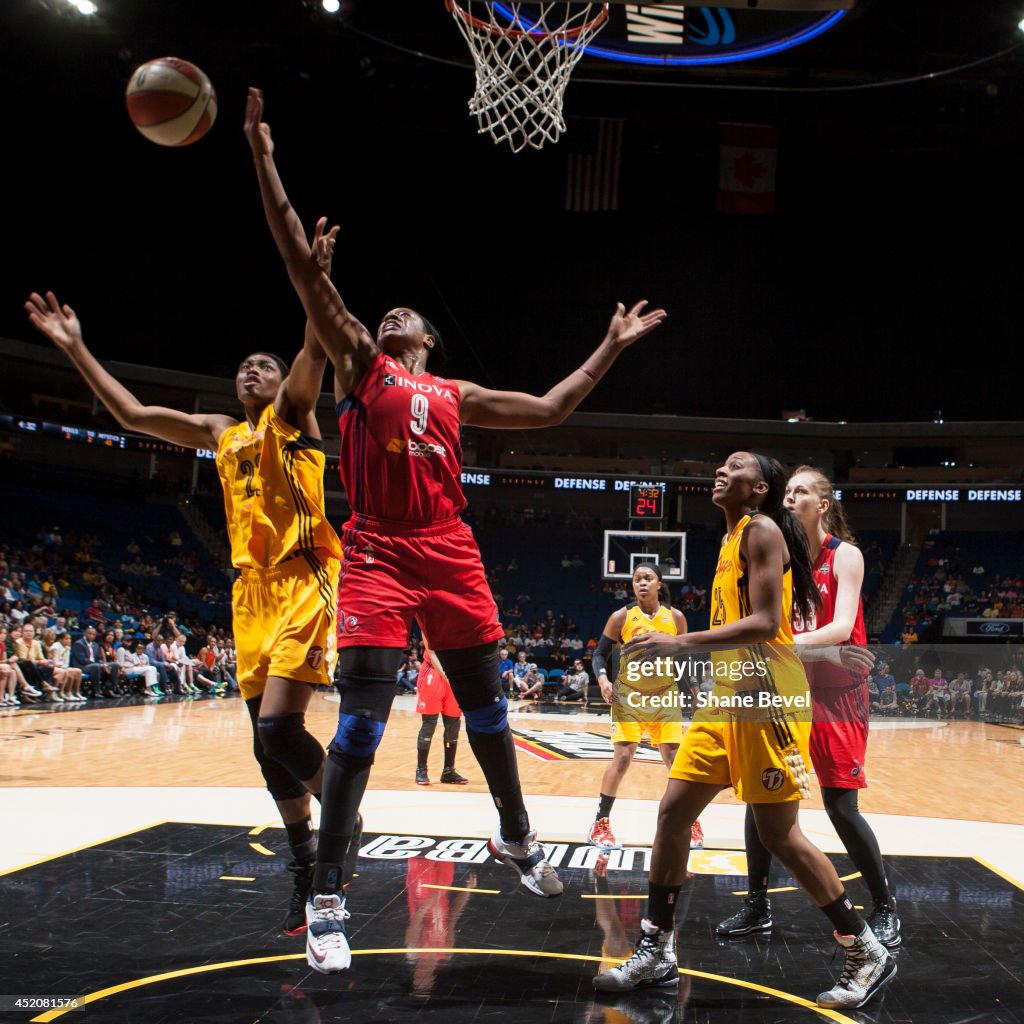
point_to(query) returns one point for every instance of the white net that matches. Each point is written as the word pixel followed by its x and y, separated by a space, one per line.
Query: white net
pixel 523 54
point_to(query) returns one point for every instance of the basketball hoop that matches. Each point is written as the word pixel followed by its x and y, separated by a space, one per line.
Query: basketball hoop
pixel 524 54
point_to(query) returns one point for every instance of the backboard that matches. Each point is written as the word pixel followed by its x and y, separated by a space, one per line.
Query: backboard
pixel 624 550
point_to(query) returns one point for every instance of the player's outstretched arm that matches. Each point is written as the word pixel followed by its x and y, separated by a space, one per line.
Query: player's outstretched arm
pixel 341 334
pixel 297 398
pixel 60 324
pixel 484 407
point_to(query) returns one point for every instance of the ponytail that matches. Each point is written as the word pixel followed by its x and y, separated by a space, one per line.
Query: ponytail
pixel 806 598
pixel 834 519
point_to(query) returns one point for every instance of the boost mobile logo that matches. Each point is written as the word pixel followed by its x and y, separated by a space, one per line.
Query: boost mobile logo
pixel 424 448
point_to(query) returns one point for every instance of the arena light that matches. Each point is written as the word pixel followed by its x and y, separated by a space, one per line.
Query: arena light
pixel 331 6
pixel 86 7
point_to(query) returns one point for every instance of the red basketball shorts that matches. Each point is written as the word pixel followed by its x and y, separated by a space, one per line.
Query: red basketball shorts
pixel 839 736
pixel 393 572
pixel 434 694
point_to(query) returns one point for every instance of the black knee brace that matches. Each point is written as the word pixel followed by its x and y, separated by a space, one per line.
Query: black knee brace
pixel 451 729
pixel 286 740
pixel 367 688
pixel 473 674
pixel 281 783
pixel 428 724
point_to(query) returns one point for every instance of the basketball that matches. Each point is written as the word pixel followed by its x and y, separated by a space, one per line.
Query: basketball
pixel 171 102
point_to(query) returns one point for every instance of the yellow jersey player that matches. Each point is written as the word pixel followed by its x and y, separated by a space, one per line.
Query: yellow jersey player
pixel 756 744
pixel 633 712
pixel 271 467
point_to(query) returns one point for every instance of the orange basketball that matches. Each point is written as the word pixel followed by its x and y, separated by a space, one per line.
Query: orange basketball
pixel 171 101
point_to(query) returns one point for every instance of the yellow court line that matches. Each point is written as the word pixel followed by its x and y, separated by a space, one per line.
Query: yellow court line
pixel 263 828
pixel 92 997
pixel 459 888
pixel 236 878
pixel 999 872
pixel 78 849
pixel 608 896
pixel 260 848
pixel 796 888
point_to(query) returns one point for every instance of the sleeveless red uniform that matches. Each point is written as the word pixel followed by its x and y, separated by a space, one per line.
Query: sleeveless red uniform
pixel 434 693
pixel 406 552
pixel 839 731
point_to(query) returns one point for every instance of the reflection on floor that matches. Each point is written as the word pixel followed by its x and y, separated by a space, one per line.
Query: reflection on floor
pixel 179 922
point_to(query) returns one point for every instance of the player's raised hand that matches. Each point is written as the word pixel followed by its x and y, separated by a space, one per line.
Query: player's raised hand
pixel 625 328
pixel 57 322
pixel 257 131
pixel 323 245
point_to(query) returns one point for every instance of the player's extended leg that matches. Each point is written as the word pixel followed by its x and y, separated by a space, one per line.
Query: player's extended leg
pixel 452 727
pixel 281 729
pixel 868 965
pixel 428 723
pixel 601 833
pixel 668 752
pixel 473 675
pixel 653 963
pixel 367 687
pixel 861 844
pixel 756 913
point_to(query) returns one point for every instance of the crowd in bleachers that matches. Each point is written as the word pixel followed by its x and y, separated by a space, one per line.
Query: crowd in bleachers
pixel 952 578
pixel 980 693
pixel 69 634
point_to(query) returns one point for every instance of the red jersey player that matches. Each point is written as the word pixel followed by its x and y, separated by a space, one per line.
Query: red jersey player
pixel 434 697
pixel 839 694
pixel 406 550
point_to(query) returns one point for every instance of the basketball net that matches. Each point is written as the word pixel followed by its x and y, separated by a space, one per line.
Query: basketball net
pixel 524 54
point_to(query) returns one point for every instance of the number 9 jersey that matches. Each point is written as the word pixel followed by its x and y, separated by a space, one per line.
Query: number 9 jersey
pixel 401 454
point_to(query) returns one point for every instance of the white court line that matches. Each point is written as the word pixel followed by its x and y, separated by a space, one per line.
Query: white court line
pixel 54 820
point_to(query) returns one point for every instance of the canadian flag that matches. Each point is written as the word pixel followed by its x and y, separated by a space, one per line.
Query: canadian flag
pixel 746 171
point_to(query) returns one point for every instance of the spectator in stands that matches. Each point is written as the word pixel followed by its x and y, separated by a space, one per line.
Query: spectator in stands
pixel 520 670
pixel 920 691
pixel 887 703
pixel 532 685
pixel 10 675
pixel 408 673
pixel 910 635
pixel 135 665
pixel 108 652
pixel 575 684
pixel 505 667
pixel 883 676
pixel 938 695
pixel 94 613
pixel 18 613
pixel 35 666
pixel 960 694
pixel 86 655
pixel 156 656
pixel 60 654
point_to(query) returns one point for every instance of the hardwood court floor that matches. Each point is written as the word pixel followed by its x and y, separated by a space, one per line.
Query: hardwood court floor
pixel 948 769
pixel 142 870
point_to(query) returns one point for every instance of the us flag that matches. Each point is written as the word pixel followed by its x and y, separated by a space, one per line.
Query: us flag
pixel 595 160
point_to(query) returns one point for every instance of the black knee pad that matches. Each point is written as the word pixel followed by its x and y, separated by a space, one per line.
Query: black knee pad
pixel 427 727
pixel 281 783
pixel 451 729
pixel 473 674
pixel 286 740
pixel 841 804
pixel 367 688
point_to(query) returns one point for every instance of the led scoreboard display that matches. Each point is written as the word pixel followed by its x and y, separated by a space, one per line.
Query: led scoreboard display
pixel 646 502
